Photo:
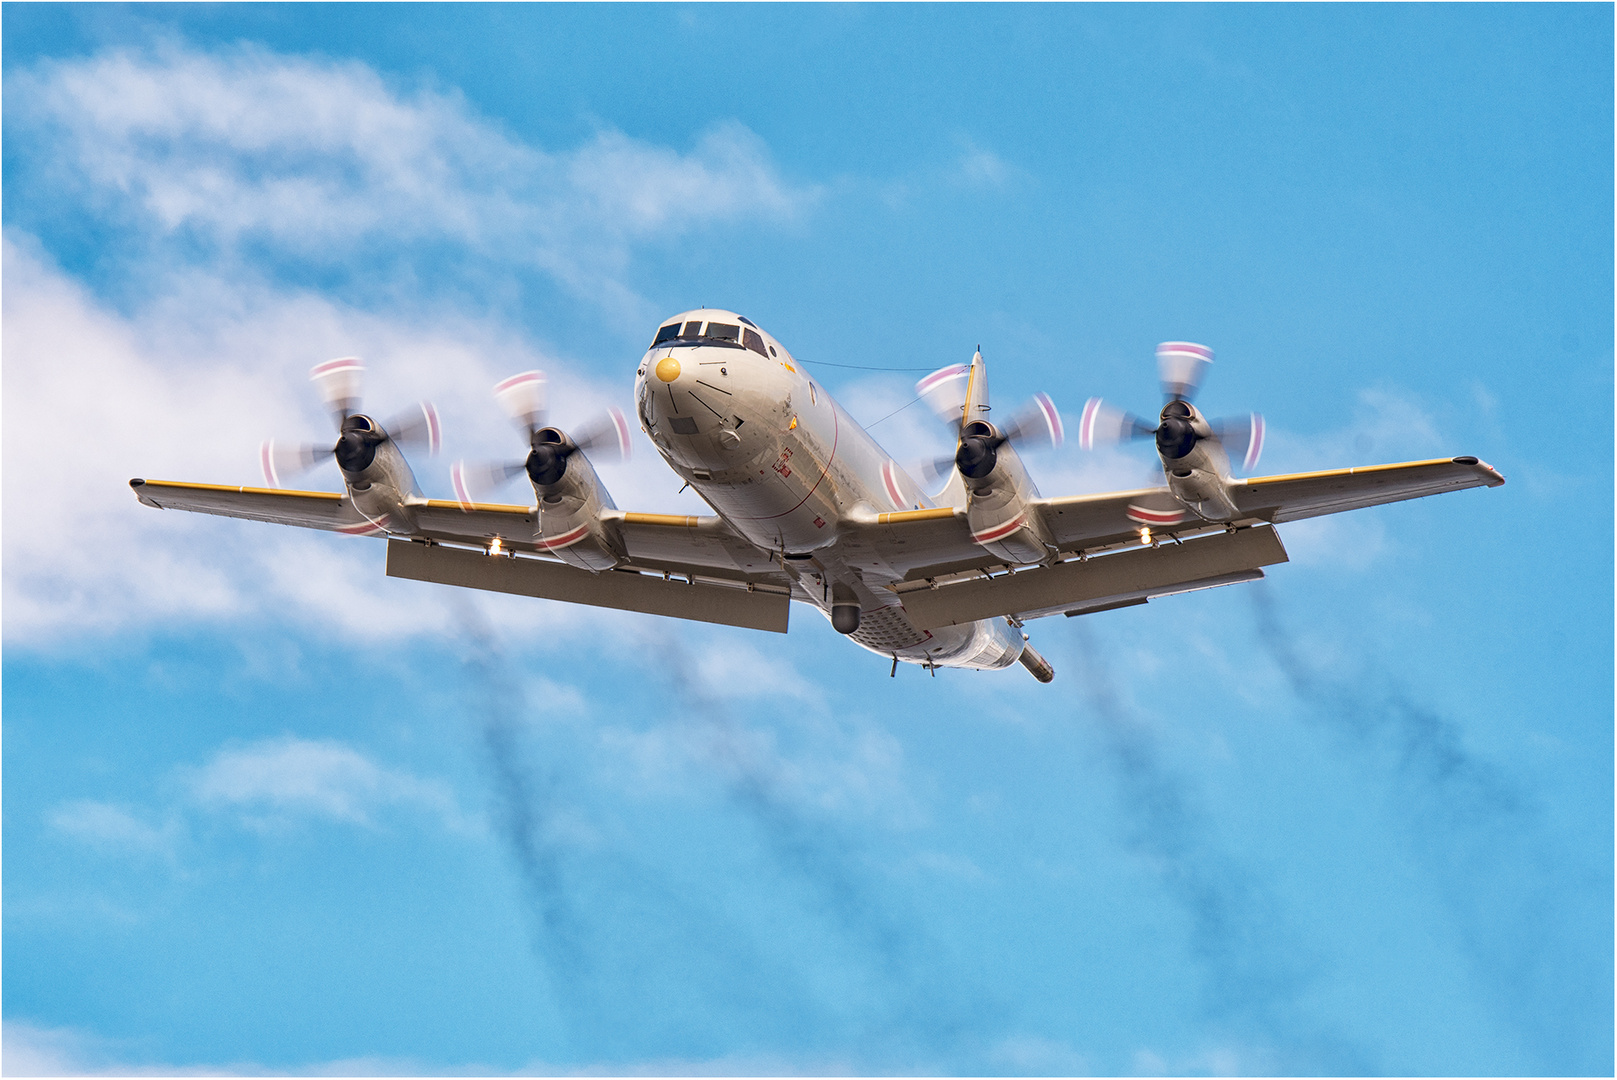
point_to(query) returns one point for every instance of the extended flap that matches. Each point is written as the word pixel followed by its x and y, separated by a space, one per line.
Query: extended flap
pixel 760 609
pixel 1104 580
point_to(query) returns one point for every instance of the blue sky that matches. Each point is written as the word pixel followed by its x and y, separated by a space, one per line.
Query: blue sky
pixel 265 809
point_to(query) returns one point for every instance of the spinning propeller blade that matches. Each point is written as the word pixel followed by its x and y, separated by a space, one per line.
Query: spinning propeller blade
pixel 1102 425
pixel 473 481
pixel 523 399
pixel 605 438
pixel 1182 365
pixel 1242 435
pixel 417 426
pixel 338 382
pixel 947 391
pixel 289 460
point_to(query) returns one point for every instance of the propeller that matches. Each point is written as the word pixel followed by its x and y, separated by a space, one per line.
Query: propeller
pixel 358 436
pixel 1181 366
pixel 977 450
pixel 523 398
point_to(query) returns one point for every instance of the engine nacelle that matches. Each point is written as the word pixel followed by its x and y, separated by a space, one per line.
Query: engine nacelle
pixel 997 493
pixel 570 516
pixel 1194 462
pixel 382 487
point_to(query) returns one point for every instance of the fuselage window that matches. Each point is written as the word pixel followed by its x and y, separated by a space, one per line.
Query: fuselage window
pixel 692 330
pixel 718 331
pixel 667 333
pixel 753 341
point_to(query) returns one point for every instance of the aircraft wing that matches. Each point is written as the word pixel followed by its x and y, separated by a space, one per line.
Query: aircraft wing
pixel 720 577
pixel 305 509
pixel 1305 495
pixel 936 542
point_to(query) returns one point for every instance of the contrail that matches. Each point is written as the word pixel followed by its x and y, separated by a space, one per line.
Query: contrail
pixel 937 1013
pixel 1255 969
pixel 524 801
pixel 1513 896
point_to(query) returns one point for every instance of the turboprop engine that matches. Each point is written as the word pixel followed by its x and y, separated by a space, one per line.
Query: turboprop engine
pixel 997 486
pixel 570 497
pixel 1194 450
pixel 380 484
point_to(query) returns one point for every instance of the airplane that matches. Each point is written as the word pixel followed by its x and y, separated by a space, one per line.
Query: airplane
pixel 807 506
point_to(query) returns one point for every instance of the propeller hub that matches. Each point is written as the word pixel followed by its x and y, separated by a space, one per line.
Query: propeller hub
pixel 547 463
pixel 976 457
pixel 356 444
pixel 1176 437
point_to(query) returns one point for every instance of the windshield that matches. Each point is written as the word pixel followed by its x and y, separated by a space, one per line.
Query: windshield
pixel 716 333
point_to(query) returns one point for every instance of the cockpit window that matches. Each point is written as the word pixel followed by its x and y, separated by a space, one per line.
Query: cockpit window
pixel 747 321
pixel 752 341
pixel 667 333
pixel 718 331
pixel 693 329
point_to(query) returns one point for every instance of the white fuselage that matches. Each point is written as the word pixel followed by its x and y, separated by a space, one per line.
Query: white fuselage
pixel 786 467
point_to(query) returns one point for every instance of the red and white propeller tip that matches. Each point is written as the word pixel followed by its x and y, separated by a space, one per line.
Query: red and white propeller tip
pixel 474 480
pixel 605 438
pixel 944 391
pixel 339 382
pixel 1181 365
pixel 523 397
pixel 1101 425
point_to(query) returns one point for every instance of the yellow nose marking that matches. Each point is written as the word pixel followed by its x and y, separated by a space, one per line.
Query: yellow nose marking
pixel 668 369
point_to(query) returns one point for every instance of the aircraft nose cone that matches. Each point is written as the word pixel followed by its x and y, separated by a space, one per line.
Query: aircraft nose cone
pixel 668 369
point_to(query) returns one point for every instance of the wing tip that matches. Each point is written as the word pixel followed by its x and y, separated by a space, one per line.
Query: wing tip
pixel 1495 477
pixel 137 485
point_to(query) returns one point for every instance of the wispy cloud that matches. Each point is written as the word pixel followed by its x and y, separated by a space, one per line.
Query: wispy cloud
pixel 187 390
pixel 279 782
pixel 249 154
pixel 113 828
pixel 32 1049
pixel 324 160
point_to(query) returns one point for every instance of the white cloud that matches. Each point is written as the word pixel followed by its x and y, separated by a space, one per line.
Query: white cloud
pixel 277 781
pixel 1385 424
pixel 981 168
pixel 737 671
pixel 113 828
pixel 324 160
pixel 37 1050
pixel 187 390
pixel 318 159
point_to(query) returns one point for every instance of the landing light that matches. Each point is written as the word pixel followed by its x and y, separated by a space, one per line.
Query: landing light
pixel 494 546
pixel 1145 535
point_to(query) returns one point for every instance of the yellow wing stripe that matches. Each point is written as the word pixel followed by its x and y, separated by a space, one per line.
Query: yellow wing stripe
pixel 928 514
pixel 674 520
pixel 242 490
pixel 1255 481
pixel 490 508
